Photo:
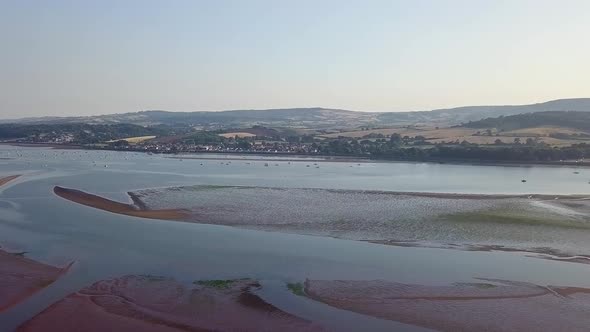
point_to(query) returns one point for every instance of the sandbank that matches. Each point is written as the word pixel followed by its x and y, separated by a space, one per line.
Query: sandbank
pixel 6 179
pixel 104 204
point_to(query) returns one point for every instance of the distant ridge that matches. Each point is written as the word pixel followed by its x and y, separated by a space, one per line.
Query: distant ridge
pixel 317 117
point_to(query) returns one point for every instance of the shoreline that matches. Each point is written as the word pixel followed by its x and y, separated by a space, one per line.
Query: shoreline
pixel 21 277
pixel 322 157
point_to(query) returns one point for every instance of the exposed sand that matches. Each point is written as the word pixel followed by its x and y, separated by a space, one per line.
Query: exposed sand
pixel 237 133
pixel 21 277
pixel 7 179
pixel 527 223
pixel 133 140
pixel 155 304
pixel 492 305
pixel 101 203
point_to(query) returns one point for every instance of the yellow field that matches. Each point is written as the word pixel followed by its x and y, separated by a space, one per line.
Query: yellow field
pixel 428 132
pixel 239 134
pixel 485 140
pixel 461 134
pixel 543 131
pixel 134 140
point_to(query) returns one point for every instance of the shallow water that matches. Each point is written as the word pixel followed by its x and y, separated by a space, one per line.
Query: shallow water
pixel 105 245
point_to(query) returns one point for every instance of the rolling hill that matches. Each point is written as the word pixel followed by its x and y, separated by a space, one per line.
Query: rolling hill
pixel 316 118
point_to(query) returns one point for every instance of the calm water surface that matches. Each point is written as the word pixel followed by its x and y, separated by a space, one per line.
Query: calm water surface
pixel 106 245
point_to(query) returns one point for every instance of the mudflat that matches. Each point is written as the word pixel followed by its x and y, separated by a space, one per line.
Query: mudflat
pixel 489 305
pixel 21 277
pixel 159 304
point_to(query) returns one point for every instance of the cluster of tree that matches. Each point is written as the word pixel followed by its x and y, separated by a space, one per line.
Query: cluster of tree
pixel 76 132
pixel 569 136
pixel 82 133
pixel 392 149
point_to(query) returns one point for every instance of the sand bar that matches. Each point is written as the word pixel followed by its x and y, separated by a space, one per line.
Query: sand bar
pixel 6 179
pixel 101 203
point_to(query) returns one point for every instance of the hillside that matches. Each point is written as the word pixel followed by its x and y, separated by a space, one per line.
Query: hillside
pixel 568 119
pixel 316 118
pixel 75 133
pixel 293 117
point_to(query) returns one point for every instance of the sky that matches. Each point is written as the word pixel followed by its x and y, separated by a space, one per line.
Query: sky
pixel 97 57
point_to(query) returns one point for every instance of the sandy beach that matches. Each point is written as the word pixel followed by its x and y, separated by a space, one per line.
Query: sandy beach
pixel 158 304
pixel 101 203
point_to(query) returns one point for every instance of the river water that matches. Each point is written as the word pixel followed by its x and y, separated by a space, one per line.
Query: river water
pixel 105 245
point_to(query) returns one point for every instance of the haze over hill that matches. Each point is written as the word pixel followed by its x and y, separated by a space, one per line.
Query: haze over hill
pixel 317 117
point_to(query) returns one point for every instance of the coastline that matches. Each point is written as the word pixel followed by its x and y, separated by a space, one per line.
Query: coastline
pixel 320 157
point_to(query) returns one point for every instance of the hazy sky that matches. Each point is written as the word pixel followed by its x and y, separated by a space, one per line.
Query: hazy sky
pixel 93 57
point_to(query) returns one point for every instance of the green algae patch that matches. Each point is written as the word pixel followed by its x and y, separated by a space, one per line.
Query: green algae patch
pixel 296 288
pixel 475 284
pixel 217 283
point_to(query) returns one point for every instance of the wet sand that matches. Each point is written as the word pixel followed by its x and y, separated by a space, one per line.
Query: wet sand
pixel 21 277
pixel 157 304
pixel 492 305
pixel 7 179
pixel 101 203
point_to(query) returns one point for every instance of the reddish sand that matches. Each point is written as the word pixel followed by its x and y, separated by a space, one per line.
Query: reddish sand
pixel 153 304
pixel 21 277
pixel 7 179
pixel 101 203
pixel 491 306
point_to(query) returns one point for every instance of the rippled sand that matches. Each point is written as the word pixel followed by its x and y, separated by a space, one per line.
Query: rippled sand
pixel 527 222
pixel 558 227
